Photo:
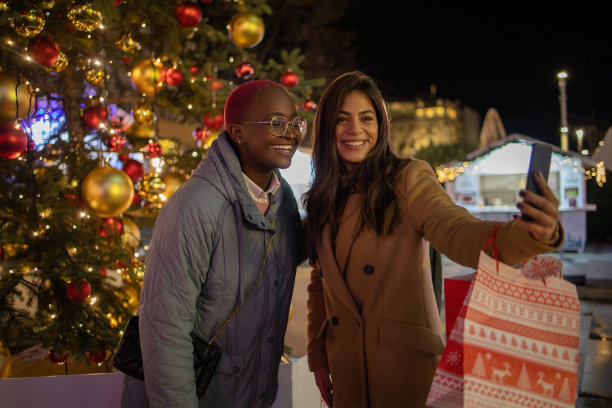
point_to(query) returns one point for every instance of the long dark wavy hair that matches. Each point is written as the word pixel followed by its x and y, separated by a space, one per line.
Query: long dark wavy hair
pixel 374 176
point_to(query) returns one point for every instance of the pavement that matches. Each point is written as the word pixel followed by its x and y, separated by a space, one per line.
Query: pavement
pixel 590 271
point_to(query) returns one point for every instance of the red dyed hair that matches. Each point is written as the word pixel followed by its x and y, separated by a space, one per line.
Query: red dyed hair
pixel 242 97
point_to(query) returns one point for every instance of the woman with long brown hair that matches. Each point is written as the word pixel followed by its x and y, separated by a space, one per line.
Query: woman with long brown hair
pixel 373 323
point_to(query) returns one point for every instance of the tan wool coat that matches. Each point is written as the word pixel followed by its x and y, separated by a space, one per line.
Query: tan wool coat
pixel 372 314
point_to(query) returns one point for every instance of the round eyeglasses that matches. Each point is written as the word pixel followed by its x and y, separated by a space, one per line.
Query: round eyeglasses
pixel 278 125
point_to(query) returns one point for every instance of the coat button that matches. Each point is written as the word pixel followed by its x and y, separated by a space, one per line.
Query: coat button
pixel 368 269
pixel 270 339
pixel 276 282
pixel 335 321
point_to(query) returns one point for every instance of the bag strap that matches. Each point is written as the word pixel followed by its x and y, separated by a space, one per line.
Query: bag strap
pixel 247 296
pixel 493 242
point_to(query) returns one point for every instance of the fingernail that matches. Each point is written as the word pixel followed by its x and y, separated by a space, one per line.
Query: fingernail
pixel 540 174
pixel 522 193
pixel 519 205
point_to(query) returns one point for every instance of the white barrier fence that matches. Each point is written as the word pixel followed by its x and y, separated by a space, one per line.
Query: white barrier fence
pixel 297 389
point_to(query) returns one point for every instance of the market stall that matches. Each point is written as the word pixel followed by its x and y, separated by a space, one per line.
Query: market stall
pixel 487 183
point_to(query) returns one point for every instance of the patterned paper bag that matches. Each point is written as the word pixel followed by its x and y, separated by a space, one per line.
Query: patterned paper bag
pixel 515 341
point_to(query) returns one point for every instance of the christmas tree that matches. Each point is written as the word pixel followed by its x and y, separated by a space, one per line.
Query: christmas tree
pixel 84 87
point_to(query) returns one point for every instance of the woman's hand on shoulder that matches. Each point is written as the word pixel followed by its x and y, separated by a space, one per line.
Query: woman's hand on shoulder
pixel 544 209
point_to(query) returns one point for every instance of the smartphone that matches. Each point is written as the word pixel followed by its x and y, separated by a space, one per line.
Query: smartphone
pixel 539 162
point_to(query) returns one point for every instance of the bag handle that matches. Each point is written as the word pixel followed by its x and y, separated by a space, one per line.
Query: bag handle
pixel 493 242
pixel 247 296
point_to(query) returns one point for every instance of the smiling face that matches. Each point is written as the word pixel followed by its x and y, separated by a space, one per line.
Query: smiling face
pixel 261 151
pixel 356 129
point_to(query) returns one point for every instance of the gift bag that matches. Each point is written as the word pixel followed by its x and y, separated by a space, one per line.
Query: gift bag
pixel 515 341
pixel 455 291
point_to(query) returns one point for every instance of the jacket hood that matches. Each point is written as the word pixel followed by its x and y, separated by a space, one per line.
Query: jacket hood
pixel 223 170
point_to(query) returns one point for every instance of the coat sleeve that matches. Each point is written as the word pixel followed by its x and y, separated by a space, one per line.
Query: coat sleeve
pixel 315 348
pixel 457 233
pixel 175 267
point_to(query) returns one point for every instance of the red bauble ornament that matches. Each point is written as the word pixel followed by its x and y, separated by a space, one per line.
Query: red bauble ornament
pixel 57 358
pixel 13 141
pixel 123 157
pixel 44 50
pixel 309 105
pixel 103 271
pixel 214 84
pixel 152 150
pixel 126 60
pixel 201 133
pixel 290 79
pixel 110 226
pixel 173 76
pixel 245 71
pixel 194 71
pixel 188 14
pixel 134 169
pixel 206 1
pixel 93 116
pixel 137 200
pixel 97 356
pixel 213 122
pixel 115 143
pixel 78 290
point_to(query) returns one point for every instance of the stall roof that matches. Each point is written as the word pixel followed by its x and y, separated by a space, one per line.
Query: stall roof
pixel 587 162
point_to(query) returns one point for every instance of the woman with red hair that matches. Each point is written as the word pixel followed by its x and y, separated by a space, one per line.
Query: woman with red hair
pixel 232 229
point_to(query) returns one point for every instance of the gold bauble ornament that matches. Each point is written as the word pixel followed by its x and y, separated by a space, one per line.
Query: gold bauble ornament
pixel 28 24
pixel 46 4
pixel 134 297
pixel 127 44
pixel 5 360
pixel 246 29
pixel 60 64
pixel 147 76
pixel 173 180
pixel 8 97
pixel 131 233
pixel 170 147
pixel 11 250
pixel 151 189
pixel 143 113
pixel 84 17
pixel 107 191
pixel 95 76
pixel 140 135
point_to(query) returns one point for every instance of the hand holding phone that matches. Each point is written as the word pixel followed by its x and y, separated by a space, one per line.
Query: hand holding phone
pixel 539 162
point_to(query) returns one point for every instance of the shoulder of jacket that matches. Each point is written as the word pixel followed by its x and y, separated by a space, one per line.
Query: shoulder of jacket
pixel 414 172
pixel 200 203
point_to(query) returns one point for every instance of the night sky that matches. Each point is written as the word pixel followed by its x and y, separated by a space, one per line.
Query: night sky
pixel 503 55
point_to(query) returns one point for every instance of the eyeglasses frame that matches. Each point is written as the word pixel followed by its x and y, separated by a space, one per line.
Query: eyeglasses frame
pixel 288 123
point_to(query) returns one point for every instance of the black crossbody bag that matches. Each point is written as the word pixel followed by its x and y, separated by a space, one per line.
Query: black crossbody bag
pixel 128 356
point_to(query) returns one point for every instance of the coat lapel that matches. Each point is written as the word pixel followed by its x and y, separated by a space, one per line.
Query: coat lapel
pixel 348 230
pixel 333 264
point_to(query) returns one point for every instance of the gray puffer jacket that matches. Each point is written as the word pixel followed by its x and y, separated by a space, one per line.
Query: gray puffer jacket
pixel 208 244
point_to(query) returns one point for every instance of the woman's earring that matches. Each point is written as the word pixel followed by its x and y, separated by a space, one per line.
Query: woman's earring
pixel 239 140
